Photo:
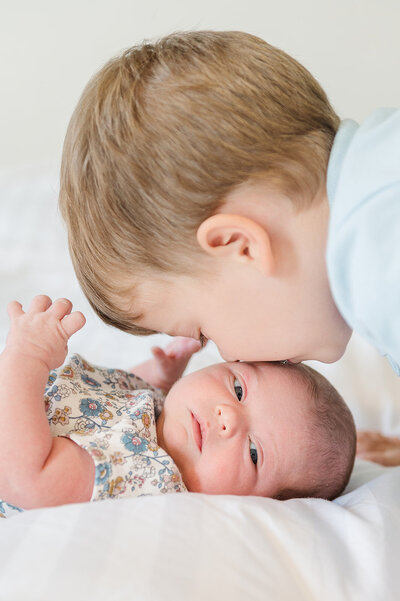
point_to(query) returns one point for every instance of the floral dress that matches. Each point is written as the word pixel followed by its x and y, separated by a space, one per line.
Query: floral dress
pixel 111 414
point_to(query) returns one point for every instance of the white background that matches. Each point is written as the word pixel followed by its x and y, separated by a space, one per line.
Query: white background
pixel 49 49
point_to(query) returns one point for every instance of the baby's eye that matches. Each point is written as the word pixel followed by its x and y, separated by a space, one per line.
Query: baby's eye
pixel 253 452
pixel 238 389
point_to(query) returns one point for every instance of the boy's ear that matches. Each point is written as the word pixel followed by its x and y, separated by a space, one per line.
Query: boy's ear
pixel 238 238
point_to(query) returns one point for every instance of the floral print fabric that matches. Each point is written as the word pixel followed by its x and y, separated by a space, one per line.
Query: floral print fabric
pixel 111 414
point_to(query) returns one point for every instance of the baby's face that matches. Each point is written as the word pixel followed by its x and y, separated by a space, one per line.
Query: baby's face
pixel 237 428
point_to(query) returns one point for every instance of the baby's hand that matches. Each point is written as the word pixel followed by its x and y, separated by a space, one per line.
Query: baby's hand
pixel 43 331
pixel 376 447
pixel 167 364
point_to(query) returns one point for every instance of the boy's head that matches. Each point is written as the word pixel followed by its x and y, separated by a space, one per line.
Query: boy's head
pixel 188 156
pixel 263 429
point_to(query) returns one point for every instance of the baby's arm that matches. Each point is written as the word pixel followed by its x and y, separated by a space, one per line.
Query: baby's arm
pixel 37 469
pixel 167 366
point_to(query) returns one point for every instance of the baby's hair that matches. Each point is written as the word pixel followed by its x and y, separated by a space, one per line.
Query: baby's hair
pixel 332 440
pixel 162 134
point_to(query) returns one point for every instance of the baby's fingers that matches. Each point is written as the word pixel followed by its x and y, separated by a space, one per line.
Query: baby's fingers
pixel 40 303
pixel 73 322
pixel 60 308
pixel 158 353
pixel 14 309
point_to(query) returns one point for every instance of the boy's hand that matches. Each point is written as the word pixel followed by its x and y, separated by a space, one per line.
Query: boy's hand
pixel 168 364
pixel 376 447
pixel 43 331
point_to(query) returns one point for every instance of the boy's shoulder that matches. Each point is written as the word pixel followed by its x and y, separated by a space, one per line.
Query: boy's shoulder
pixel 364 159
pixel 362 252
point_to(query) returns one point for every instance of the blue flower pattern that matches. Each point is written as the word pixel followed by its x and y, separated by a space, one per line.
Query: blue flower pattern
pixel 112 414
pixel 134 443
pixel 90 407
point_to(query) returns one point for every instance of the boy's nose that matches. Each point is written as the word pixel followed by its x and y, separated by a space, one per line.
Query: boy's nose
pixel 228 420
pixel 226 357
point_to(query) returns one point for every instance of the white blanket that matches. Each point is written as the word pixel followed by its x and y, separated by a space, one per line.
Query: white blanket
pixel 191 546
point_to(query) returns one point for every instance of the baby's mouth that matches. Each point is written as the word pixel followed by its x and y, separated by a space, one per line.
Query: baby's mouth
pixel 197 432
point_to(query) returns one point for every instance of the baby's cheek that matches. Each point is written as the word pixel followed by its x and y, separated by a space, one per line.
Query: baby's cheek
pixel 216 473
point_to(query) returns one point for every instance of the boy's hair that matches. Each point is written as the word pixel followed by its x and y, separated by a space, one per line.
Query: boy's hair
pixel 332 438
pixel 161 135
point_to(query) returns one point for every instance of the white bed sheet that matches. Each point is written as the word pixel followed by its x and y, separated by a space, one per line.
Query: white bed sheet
pixel 205 548
pixel 191 546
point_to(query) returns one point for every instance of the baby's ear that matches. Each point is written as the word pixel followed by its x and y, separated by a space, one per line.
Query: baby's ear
pixel 238 238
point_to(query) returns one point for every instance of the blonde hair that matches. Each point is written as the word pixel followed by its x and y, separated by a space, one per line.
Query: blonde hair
pixel 161 135
pixel 331 440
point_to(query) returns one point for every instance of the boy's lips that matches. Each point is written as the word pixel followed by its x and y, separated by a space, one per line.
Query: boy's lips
pixel 198 431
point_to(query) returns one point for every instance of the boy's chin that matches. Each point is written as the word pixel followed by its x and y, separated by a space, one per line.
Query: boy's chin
pixel 333 354
pixel 327 354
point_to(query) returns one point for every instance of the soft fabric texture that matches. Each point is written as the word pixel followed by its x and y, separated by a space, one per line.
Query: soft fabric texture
pixel 209 548
pixel 363 253
pixel 112 415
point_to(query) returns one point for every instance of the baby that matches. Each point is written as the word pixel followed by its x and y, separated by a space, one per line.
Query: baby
pixel 268 429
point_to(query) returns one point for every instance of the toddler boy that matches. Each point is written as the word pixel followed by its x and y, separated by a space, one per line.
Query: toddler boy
pixel 232 428
pixel 210 190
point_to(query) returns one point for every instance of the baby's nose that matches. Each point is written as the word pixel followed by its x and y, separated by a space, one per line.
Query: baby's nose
pixel 227 420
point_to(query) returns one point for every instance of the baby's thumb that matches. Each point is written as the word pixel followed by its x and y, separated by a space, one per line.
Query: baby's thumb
pixel 73 322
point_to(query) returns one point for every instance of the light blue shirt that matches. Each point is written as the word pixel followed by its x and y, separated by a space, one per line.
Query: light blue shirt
pixel 363 251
